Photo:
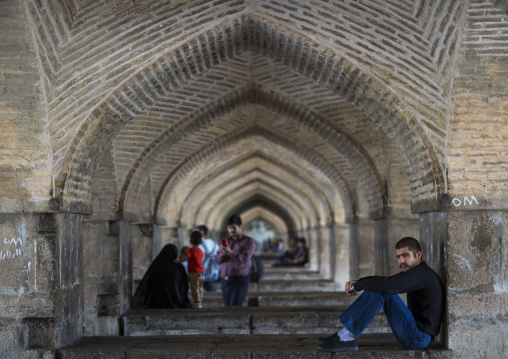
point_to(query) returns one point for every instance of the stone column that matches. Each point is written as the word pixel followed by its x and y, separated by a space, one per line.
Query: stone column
pixel 163 235
pixel 476 264
pixel 326 251
pixel 341 255
pixel 433 238
pixel 366 247
pixel 124 230
pixel 183 237
pixel 381 246
pixel 214 234
pixel 314 248
pixel 101 277
pixel 41 287
pixel 353 249
pixel 331 250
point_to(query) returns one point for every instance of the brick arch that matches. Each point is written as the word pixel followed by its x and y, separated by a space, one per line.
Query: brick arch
pixel 341 141
pixel 212 179
pixel 298 198
pixel 285 167
pixel 400 122
pixel 364 166
pixel 301 151
pixel 263 214
pixel 253 200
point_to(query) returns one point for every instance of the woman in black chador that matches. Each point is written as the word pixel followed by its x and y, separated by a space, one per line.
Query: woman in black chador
pixel 165 283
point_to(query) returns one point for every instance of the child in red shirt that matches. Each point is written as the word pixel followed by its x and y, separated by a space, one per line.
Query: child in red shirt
pixel 194 256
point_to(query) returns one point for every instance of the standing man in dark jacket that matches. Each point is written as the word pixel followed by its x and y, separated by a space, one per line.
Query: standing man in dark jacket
pixel 234 255
pixel 414 325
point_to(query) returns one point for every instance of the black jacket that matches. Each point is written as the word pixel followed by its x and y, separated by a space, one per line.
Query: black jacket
pixel 425 294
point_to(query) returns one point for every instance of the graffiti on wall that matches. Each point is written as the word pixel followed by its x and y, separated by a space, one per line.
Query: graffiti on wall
pixel 11 248
pixel 457 202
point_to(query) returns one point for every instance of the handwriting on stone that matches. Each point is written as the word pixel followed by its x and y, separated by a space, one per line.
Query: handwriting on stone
pixel 457 202
pixel 12 250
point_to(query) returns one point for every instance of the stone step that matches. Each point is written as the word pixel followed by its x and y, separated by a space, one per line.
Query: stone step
pixel 239 346
pixel 295 299
pixel 239 320
pixel 297 269
pixel 297 285
pixel 284 299
pixel 269 255
pixel 280 274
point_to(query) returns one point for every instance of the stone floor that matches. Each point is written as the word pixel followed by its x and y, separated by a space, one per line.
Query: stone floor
pixel 236 346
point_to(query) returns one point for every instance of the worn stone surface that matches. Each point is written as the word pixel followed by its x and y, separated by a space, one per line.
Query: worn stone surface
pixel 294 285
pixel 289 299
pixel 245 320
pixel 235 346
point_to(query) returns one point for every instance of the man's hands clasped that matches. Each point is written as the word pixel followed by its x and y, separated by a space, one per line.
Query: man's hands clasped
pixel 349 287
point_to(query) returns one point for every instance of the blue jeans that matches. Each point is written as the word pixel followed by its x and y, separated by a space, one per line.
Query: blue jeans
pixel 401 320
pixel 234 289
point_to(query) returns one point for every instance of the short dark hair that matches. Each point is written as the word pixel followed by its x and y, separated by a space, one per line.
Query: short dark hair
pixel 203 229
pixel 196 238
pixel 301 240
pixel 234 219
pixel 411 243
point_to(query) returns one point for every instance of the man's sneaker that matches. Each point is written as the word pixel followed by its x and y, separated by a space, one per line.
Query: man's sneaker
pixel 197 305
pixel 327 339
pixel 336 345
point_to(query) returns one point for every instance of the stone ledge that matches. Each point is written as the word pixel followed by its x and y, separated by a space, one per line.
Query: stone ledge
pixel 239 320
pixel 238 346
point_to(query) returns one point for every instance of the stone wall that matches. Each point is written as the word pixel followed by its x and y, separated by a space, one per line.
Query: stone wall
pixel 41 287
pixel 477 249
pixel 478 185
pixel 25 168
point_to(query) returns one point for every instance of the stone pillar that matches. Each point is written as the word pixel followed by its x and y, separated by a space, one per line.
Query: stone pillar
pixel 214 234
pixel 124 230
pixel 353 249
pixel 366 247
pixel 69 294
pixel 183 237
pixel 331 251
pixel 381 246
pixel 101 277
pixel 163 235
pixel 433 237
pixel 41 288
pixel 341 258
pixel 477 279
pixel 326 251
pixel 314 248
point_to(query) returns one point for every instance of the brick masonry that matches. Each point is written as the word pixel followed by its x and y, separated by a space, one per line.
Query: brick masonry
pixel 321 114
pixel 428 54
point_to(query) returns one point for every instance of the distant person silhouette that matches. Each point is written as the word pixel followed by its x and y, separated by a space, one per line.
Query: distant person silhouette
pixel 165 283
pixel 289 254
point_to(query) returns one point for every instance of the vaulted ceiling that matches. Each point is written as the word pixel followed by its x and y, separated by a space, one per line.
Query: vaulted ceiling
pixel 312 112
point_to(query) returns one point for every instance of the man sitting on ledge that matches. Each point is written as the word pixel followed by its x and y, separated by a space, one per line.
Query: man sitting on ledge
pixel 414 325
